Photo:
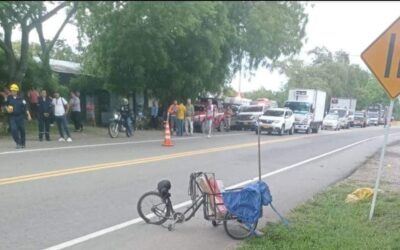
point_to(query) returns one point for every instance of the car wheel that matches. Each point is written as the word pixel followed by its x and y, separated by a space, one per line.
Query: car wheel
pixel 308 130
pixel 282 130
pixel 291 131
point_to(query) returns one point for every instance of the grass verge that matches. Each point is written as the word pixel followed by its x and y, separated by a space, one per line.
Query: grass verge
pixel 327 222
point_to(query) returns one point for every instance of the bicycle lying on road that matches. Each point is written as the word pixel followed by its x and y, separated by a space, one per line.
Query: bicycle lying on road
pixel 155 207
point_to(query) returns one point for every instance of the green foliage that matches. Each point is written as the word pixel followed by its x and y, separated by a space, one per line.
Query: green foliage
pixel 229 91
pixel 3 70
pixel 279 96
pixel 62 51
pixel 180 50
pixel 333 73
pixel 327 222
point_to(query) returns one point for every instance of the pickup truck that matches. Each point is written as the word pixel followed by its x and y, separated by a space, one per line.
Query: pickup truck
pixel 248 116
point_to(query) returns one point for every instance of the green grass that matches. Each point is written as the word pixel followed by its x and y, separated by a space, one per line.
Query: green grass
pixel 327 222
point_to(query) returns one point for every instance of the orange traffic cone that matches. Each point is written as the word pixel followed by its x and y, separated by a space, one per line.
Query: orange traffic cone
pixel 167 140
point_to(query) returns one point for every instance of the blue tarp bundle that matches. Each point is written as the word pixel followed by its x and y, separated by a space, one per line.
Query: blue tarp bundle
pixel 247 203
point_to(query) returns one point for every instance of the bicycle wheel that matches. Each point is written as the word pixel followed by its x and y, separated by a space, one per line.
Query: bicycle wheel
pixel 152 208
pixel 236 229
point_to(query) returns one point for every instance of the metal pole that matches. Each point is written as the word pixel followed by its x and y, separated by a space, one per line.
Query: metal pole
pixel 385 139
pixel 259 150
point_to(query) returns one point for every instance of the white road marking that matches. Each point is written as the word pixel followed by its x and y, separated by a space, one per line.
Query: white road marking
pixel 108 144
pixel 186 203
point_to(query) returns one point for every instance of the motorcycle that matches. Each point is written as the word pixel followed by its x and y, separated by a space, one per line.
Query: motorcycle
pixel 117 125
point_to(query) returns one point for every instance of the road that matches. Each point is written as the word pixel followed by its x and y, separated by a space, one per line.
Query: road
pixel 83 196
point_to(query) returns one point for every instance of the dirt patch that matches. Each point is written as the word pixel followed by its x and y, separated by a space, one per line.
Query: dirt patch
pixel 366 175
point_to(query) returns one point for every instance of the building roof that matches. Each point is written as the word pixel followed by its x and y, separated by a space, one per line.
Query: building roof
pixel 60 66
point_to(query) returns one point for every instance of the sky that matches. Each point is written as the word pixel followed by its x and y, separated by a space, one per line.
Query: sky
pixel 350 26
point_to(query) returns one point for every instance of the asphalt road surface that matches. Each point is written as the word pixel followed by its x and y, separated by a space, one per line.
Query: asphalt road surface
pixel 84 196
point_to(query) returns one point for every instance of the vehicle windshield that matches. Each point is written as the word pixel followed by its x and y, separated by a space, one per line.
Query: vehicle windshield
pixel 298 107
pixel 332 117
pixel 373 115
pixel 277 113
pixel 340 112
pixel 360 115
pixel 198 108
pixel 251 109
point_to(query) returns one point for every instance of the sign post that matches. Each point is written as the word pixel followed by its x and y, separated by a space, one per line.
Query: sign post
pixel 385 139
pixel 383 59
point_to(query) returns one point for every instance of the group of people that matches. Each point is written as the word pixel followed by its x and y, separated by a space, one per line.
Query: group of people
pixel 47 110
pixel 181 117
pixel 43 108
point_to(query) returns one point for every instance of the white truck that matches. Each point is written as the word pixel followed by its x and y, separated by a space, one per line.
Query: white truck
pixel 347 104
pixel 308 106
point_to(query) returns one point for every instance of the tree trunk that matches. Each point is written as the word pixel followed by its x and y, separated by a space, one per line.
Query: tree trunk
pixel 23 61
pixel 10 55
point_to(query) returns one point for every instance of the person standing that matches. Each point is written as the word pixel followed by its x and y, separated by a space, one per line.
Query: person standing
pixel 5 93
pixel 45 110
pixel 228 117
pixel 180 117
pixel 16 108
pixel 61 109
pixel 154 114
pixel 75 104
pixel 33 95
pixel 172 113
pixel 189 117
pixel 90 111
pixel 210 114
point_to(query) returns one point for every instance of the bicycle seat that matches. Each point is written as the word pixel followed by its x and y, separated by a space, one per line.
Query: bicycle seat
pixel 163 188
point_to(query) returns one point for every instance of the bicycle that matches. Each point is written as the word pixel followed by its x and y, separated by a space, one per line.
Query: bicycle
pixel 155 207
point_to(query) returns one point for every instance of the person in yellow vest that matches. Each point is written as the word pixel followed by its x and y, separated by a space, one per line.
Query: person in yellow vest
pixel 180 117
pixel 16 109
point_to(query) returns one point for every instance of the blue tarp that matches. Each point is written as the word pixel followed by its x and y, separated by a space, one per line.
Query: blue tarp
pixel 247 203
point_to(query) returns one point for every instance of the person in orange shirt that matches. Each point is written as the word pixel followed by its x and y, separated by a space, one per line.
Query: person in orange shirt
pixel 172 114
pixel 180 116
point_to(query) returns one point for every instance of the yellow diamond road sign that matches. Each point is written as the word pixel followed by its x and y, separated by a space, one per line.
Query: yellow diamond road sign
pixel 383 59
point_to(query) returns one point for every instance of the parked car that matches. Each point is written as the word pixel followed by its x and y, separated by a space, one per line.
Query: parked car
pixel 372 118
pixel 331 121
pixel 249 114
pixel 343 116
pixel 279 120
pixel 360 119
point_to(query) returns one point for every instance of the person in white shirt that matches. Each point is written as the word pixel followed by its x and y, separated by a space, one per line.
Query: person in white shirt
pixel 60 110
pixel 210 114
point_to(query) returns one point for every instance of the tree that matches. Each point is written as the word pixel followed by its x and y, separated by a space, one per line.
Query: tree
pixel 279 96
pixel 179 50
pixel 27 16
pixel 333 73
pixel 48 45
pixel 63 51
